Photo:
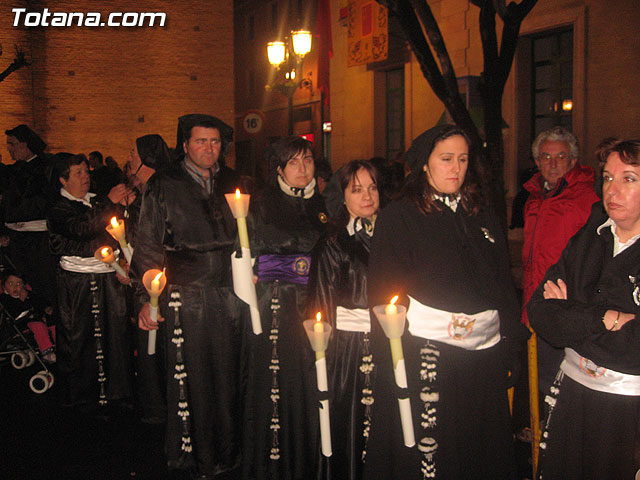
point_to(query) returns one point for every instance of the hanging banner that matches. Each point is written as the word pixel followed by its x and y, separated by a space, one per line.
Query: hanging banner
pixel 368 39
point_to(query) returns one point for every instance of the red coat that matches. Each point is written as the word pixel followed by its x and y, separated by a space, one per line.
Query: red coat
pixel 550 222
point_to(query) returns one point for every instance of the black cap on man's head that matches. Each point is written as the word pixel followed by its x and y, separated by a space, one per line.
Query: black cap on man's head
pixel 187 122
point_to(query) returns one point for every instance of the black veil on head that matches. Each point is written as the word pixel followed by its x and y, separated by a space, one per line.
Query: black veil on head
pixel 153 151
pixel 422 146
pixel 417 187
pixel 24 134
pixel 187 122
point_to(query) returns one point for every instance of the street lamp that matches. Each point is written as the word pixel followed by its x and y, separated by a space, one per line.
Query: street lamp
pixel 287 57
pixel 276 51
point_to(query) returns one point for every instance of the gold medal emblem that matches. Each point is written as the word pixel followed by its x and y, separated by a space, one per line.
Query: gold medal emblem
pixel 301 266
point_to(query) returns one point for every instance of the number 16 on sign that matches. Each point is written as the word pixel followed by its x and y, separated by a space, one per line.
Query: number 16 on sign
pixel 253 122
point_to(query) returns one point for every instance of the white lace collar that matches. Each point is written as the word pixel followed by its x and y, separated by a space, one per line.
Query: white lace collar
pixel 450 201
pixel 353 227
pixel 306 192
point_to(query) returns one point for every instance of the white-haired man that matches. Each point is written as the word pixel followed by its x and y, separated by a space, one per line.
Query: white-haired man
pixel 560 198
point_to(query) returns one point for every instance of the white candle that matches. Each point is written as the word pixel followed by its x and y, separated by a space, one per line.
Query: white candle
pixel 239 205
pixel 154 287
pixel 241 263
pixel 392 318
pixel 391 311
pixel 116 230
pixel 318 333
pixel 106 255
pixel 318 330
pixel 154 293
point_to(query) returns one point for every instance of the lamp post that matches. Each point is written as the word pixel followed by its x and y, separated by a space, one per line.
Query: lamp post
pixel 287 58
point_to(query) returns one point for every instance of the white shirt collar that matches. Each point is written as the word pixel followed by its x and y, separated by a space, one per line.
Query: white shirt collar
pixel 306 192
pixel 618 246
pixel 86 200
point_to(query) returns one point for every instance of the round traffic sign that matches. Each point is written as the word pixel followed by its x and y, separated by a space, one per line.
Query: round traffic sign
pixel 253 121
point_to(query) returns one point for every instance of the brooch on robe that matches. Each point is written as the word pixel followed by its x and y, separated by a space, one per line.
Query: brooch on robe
pixel 487 234
pixel 636 289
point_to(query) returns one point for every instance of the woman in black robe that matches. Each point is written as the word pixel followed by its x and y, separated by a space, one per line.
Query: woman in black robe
pixel 445 255
pixel 589 303
pixel 93 333
pixel 338 288
pixel 281 414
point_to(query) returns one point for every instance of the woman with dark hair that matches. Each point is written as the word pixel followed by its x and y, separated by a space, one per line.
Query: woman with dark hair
pixel 588 304
pixel 93 337
pixel 281 413
pixel 443 252
pixel 338 289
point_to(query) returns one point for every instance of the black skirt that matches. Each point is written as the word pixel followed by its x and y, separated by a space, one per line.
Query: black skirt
pixel 590 434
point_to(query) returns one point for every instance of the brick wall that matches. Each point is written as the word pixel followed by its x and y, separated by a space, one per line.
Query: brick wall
pixel 15 90
pixel 100 88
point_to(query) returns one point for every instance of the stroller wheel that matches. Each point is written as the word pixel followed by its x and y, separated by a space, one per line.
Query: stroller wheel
pixel 51 379
pixel 31 358
pixel 19 360
pixel 39 383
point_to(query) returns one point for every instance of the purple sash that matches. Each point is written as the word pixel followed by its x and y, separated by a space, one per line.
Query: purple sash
pixel 286 268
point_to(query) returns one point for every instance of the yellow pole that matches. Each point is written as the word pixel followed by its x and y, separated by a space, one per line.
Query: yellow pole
pixel 534 409
pixel 510 396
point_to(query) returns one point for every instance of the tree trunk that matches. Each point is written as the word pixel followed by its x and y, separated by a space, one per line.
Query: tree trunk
pixel 419 24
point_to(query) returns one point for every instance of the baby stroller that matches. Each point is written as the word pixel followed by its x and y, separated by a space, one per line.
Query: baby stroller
pixel 15 345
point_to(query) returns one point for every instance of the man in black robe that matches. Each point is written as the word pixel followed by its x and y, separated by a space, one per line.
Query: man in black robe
pixel 149 154
pixel 186 227
pixel 25 202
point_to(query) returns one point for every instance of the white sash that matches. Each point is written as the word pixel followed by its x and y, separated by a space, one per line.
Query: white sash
pixel 353 319
pixel 30 226
pixel 84 265
pixel 471 332
pixel 590 375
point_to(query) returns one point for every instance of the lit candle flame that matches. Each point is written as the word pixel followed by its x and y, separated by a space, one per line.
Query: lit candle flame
pixel 393 300
pixel 318 326
pixel 237 193
pixel 114 222
pixel 155 283
pixel 105 252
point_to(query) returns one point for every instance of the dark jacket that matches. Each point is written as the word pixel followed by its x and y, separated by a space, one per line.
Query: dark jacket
pixel 29 191
pixel 76 229
pixel 194 231
pixel 596 282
